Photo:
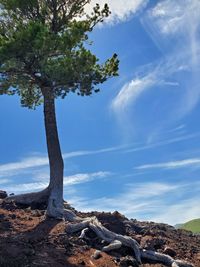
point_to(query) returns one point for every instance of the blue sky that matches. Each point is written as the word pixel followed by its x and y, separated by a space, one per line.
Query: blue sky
pixel 134 147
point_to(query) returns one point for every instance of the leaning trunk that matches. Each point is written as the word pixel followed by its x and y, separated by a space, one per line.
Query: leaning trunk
pixel 55 202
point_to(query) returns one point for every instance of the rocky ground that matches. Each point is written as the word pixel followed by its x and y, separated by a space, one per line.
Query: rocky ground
pixel 27 238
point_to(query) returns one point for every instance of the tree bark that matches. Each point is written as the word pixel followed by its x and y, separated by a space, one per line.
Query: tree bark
pixel 55 202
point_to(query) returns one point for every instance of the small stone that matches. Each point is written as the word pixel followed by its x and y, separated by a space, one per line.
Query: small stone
pixel 82 263
pixel 2 216
pixel 3 194
pixel 117 260
pixel 97 255
pixel 169 251
pixel 13 216
pixel 29 252
pixel 128 261
pixel 151 243
pixel 36 213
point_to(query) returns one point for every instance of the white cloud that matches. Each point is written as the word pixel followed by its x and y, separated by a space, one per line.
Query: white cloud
pixel 29 163
pixel 169 17
pixel 68 181
pixel 91 152
pixel 4 181
pixel 23 164
pixel 156 201
pixel 157 76
pixel 85 177
pixel 177 18
pixel 130 92
pixel 178 128
pixel 37 165
pixel 171 164
pixel 180 212
pixel 134 198
pixel 175 27
pixel 121 9
pixel 131 200
pixel 163 143
pixel 25 187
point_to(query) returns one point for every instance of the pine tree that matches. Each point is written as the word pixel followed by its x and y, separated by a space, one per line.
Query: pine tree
pixel 44 56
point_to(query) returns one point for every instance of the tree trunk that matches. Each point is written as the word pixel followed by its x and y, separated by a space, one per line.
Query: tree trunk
pixel 55 202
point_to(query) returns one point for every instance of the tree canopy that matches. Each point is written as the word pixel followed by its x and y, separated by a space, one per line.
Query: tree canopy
pixel 44 44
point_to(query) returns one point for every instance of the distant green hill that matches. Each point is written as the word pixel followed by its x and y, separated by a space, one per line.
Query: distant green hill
pixel 193 226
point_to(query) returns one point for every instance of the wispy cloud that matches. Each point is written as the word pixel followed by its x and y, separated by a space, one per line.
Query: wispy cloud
pixel 4 181
pixel 149 201
pixel 120 11
pixel 30 162
pixel 176 19
pixel 178 24
pixel 151 75
pixel 159 133
pixel 85 177
pixel 131 91
pixel 68 181
pixel 33 162
pixel 171 164
pixel 154 76
pixel 179 212
pixel 92 152
pixel 162 143
pixel 37 165
pixel 174 29
pixel 141 194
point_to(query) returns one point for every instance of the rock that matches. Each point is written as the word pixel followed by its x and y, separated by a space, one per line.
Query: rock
pixel 82 263
pixel 2 217
pixel 128 261
pixel 198 256
pixel 152 243
pixel 97 255
pixel 169 251
pixel 37 213
pixel 117 260
pixel 3 194
pixel 12 216
pixel 29 252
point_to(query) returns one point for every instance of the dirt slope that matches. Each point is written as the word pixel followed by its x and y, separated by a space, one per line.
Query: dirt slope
pixel 28 239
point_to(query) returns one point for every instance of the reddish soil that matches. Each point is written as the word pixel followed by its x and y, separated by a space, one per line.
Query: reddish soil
pixel 28 239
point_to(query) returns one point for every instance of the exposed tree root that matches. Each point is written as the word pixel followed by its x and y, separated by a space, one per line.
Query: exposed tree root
pixel 37 198
pixel 55 206
pixel 115 241
pixel 156 257
pixel 46 198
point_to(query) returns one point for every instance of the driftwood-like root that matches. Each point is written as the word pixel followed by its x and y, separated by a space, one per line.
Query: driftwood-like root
pixel 162 258
pixel 83 234
pixel 40 197
pixel 45 198
pixel 116 241
pixel 112 238
pixel 116 244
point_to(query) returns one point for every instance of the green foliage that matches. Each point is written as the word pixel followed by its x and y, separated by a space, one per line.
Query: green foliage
pixel 42 45
pixel 193 226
